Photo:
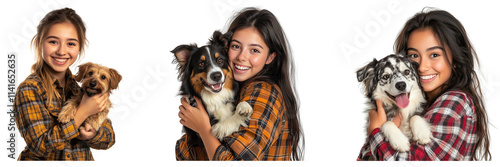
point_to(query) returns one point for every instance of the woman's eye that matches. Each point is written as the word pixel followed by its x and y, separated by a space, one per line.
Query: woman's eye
pixel 434 55
pixel 103 77
pixel 235 46
pixel 413 56
pixel 386 76
pixel 71 44
pixel 53 42
pixel 255 51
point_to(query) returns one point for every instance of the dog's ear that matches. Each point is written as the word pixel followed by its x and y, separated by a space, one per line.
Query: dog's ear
pixel 115 78
pixel 221 39
pixel 366 70
pixel 82 71
pixel 182 53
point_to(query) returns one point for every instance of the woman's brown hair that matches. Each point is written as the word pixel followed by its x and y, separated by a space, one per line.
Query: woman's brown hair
pixel 40 68
pixel 450 33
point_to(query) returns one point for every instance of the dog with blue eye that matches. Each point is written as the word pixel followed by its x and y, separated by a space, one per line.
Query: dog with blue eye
pixel 395 82
pixel 95 79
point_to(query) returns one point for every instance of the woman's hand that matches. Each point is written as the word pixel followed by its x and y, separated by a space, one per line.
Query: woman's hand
pixel 87 132
pixel 94 104
pixel 378 118
pixel 90 106
pixel 194 118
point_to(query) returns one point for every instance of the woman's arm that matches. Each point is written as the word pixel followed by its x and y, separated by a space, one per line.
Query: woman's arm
pixel 105 137
pixel 251 143
pixel 453 122
pixel 267 122
pixel 36 124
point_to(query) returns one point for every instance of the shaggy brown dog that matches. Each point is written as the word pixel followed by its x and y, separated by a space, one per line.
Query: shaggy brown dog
pixel 95 79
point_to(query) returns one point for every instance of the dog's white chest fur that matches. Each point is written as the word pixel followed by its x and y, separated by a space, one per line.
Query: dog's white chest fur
pixel 220 105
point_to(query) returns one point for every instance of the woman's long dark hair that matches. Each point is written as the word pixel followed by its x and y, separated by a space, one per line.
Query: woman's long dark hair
pixel 280 71
pixel 451 33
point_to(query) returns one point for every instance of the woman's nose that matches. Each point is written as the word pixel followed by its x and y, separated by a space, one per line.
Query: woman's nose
pixel 61 50
pixel 242 56
pixel 424 65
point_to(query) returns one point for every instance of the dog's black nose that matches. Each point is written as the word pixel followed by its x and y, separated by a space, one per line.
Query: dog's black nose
pixel 216 76
pixel 92 84
pixel 401 86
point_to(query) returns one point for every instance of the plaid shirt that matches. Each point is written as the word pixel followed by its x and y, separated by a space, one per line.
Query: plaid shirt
pixel 46 138
pixel 453 121
pixel 266 137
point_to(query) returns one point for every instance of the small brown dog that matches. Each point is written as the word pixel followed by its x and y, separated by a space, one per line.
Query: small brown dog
pixel 95 79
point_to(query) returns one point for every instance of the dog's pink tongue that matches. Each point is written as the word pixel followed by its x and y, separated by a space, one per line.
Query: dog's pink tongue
pixel 402 100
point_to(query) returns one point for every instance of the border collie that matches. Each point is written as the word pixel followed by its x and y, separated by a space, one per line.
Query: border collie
pixel 394 81
pixel 205 73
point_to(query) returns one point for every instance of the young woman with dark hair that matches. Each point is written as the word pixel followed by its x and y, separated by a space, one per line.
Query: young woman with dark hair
pixel 261 61
pixel 439 43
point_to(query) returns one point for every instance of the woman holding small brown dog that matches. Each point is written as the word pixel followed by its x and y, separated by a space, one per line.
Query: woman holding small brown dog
pixel 59 41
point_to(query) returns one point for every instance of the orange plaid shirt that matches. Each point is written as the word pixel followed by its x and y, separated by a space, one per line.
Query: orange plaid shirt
pixel 265 138
pixel 46 138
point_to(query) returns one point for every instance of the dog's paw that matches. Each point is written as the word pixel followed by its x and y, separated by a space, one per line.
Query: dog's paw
pixel 64 116
pixel 395 137
pixel 244 109
pixel 224 128
pixel 421 130
pixel 191 101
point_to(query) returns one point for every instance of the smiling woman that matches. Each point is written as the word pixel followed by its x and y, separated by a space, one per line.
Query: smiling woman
pixel 438 42
pixel 61 48
pixel 59 41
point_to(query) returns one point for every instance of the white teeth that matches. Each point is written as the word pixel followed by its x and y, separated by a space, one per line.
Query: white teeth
pixel 428 76
pixel 60 60
pixel 241 67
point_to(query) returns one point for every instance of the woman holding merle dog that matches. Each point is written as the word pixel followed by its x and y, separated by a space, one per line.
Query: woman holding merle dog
pixel 438 42
pixel 261 63
pixel 59 41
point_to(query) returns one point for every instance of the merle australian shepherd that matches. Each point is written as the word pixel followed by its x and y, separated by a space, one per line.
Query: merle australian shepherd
pixel 395 82
pixel 205 73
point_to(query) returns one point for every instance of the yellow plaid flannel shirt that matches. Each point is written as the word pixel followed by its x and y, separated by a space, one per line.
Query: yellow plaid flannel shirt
pixel 265 138
pixel 46 138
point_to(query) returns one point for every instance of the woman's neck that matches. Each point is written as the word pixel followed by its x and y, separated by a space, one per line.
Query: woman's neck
pixel 432 95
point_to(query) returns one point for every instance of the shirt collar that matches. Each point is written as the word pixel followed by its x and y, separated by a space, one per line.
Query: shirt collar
pixel 71 84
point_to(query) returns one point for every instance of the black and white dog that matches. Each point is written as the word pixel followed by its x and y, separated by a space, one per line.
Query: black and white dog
pixel 394 81
pixel 205 73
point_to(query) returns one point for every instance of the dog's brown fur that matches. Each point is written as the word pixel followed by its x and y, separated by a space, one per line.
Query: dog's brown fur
pixel 105 79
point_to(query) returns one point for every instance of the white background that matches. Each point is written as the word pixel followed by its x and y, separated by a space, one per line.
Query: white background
pixel 135 37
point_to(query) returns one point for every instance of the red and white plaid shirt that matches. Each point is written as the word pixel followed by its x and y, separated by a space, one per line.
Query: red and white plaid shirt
pixel 453 121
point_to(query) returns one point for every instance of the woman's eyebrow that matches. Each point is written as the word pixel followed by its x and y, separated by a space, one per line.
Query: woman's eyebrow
pixel 69 39
pixel 234 40
pixel 260 46
pixel 435 47
pixel 257 45
pixel 429 49
pixel 412 49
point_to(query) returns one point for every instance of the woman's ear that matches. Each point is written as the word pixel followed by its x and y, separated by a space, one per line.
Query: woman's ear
pixel 270 58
